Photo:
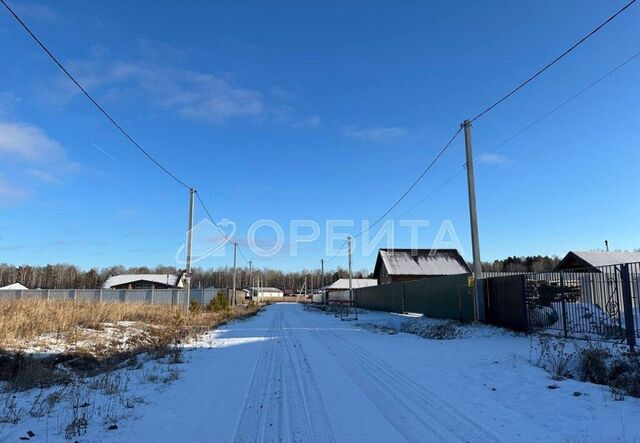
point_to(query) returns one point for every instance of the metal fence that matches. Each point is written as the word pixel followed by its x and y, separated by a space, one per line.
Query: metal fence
pixel 601 302
pixel 441 297
pixel 142 296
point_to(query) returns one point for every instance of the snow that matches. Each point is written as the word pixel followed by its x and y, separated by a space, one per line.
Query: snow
pixel 119 336
pixel 14 286
pixel 299 374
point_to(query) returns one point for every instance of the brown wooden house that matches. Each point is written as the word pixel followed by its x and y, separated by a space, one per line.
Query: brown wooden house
pixel 412 264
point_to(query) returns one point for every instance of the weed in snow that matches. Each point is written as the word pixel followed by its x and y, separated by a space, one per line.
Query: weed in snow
pixel 430 329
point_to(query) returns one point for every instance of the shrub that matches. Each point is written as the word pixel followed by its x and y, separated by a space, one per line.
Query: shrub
pixel 194 307
pixel 592 363
pixel 624 375
pixel 425 329
pixel 553 357
pixel 219 303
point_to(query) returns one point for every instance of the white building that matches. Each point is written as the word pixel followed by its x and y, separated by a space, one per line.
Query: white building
pixel 266 292
pixel 145 281
pixel 14 286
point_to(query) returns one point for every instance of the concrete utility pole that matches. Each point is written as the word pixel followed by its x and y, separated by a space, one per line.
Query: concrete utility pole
pixel 233 293
pixel 350 279
pixel 475 241
pixel 192 194
pixel 473 215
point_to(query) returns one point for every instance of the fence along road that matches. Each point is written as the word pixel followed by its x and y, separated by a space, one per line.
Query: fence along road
pixel 141 296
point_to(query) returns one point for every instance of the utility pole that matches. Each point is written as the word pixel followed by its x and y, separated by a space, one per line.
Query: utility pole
pixel 350 279
pixel 475 240
pixel 251 279
pixel 351 301
pixel 192 194
pixel 233 293
pixel 322 290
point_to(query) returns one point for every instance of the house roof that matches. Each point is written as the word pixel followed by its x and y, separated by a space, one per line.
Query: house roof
pixel 267 289
pixel 343 283
pixel 164 279
pixel 14 286
pixel 421 262
pixel 589 259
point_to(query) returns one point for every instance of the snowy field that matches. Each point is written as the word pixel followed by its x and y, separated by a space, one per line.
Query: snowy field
pixel 296 374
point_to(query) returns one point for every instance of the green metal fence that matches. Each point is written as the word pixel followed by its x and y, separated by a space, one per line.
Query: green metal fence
pixel 441 297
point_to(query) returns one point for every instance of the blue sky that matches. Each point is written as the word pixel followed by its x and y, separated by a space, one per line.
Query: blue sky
pixel 313 110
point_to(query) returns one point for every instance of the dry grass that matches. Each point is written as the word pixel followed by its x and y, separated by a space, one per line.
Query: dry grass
pixel 28 319
pixel 25 320
pixel 92 337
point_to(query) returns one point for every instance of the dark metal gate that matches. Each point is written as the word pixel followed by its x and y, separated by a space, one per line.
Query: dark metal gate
pixel 505 302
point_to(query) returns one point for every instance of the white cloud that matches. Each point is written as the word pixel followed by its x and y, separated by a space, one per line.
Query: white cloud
pixel 30 147
pixel 191 94
pixel 37 12
pixel 376 134
pixel 27 142
pixel 8 103
pixel 285 94
pixel 491 159
pixel 10 194
pixel 313 121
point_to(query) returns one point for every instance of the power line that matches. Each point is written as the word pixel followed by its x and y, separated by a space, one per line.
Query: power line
pixel 329 260
pixel 574 96
pixel 97 105
pixel 227 238
pixel 242 254
pixel 525 128
pixel 206 210
pixel 413 185
pixel 554 61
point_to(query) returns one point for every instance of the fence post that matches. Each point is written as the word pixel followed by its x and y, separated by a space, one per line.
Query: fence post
pixel 525 307
pixel 48 295
pixel 100 296
pixel 564 308
pixel 75 295
pixel 627 304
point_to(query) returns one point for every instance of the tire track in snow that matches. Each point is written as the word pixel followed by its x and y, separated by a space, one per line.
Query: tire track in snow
pixel 283 402
pixel 416 413
pixel 261 417
pixel 318 423
pixel 453 421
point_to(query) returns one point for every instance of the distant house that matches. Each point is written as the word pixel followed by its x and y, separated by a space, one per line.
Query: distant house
pixel 145 281
pixel 266 292
pixel 14 286
pixel 406 264
pixel 589 261
pixel 342 284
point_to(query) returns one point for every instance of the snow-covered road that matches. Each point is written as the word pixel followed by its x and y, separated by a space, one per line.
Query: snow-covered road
pixel 292 374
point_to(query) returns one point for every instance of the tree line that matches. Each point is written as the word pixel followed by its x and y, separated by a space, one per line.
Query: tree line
pixel 536 263
pixel 66 276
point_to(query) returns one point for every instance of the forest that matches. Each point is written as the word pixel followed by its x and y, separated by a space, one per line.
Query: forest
pixel 66 276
